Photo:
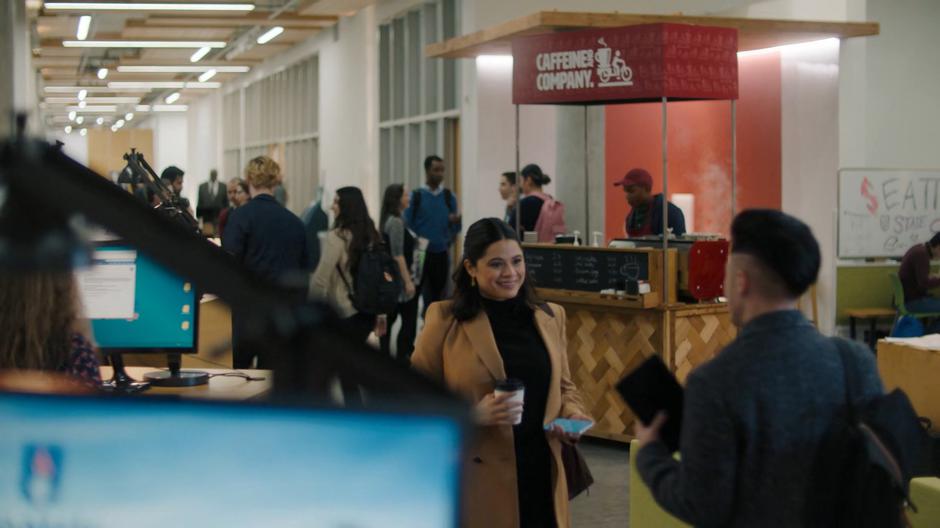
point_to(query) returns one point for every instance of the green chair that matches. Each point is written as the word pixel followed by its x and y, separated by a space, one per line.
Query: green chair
pixel 644 512
pixel 925 494
pixel 899 302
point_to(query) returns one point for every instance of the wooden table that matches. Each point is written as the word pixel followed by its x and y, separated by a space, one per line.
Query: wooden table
pixel 219 387
pixel 872 314
pixel 916 371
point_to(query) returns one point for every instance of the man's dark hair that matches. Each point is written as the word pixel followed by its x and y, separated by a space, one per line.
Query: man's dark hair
pixel 428 161
pixel 510 177
pixel 934 240
pixel 782 243
pixel 171 173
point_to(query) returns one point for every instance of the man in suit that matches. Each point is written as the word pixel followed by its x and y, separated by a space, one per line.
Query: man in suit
pixel 212 199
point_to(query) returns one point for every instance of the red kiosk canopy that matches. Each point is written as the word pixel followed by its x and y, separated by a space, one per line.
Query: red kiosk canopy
pixel 628 64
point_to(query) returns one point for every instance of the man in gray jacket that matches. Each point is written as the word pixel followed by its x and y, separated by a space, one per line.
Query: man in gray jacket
pixel 754 416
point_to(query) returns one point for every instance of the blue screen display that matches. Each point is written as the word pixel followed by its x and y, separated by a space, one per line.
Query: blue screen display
pixel 159 314
pixel 90 463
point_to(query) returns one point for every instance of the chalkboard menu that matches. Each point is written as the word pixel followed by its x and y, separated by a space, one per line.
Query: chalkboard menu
pixel 584 269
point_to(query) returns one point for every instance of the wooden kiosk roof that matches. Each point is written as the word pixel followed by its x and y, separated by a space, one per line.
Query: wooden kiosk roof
pixel 753 33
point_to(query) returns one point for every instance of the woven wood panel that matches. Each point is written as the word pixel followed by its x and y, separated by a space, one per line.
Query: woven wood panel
pixel 698 338
pixel 602 347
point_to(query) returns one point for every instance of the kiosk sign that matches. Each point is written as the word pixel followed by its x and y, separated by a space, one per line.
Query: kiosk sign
pixel 644 62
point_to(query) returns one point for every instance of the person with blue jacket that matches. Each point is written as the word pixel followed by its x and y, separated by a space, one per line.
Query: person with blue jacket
pixel 433 215
pixel 646 213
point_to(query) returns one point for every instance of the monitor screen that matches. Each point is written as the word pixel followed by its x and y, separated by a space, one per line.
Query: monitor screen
pixel 135 304
pixel 112 462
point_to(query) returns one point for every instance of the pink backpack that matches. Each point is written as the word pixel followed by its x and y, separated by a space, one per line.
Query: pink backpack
pixel 551 220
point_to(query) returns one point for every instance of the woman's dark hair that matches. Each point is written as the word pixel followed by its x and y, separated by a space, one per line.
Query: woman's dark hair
pixel 534 172
pixel 391 203
pixel 510 177
pixel 243 185
pixel 354 219
pixel 481 235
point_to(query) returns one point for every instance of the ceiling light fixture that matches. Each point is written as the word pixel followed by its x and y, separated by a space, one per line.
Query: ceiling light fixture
pixel 114 128
pixel 75 89
pixel 92 109
pixel 92 100
pixel 200 53
pixel 269 35
pixel 172 98
pixel 82 94
pixel 142 44
pixel 120 123
pixel 148 6
pixel 83 132
pixel 82 104
pixel 84 24
pixel 157 85
pixel 79 120
pixel 72 115
pixel 128 116
pixel 182 69
pixel 68 129
pixel 207 75
pixel 99 121
pixel 169 108
pixel 102 73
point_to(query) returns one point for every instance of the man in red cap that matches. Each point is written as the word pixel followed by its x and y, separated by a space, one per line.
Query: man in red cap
pixel 646 213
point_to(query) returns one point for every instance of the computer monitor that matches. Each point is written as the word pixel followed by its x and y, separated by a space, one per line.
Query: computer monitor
pixel 150 462
pixel 136 306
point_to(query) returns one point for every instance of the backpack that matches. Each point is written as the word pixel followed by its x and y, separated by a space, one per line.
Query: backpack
pixel 862 471
pixel 416 201
pixel 377 284
pixel 907 326
pixel 551 220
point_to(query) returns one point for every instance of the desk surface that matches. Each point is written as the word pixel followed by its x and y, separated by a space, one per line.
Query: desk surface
pixel 219 387
pixel 915 370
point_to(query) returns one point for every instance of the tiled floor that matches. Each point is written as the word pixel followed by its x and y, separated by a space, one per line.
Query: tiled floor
pixel 607 504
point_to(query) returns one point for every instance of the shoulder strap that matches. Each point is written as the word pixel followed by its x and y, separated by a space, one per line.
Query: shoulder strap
pixel 449 199
pixel 851 380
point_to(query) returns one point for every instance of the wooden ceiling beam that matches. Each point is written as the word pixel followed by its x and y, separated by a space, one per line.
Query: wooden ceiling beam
pixel 254 19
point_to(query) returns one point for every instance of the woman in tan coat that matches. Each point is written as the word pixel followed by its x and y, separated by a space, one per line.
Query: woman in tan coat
pixel 496 328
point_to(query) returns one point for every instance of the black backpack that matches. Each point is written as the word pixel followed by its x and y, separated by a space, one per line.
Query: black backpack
pixel 862 471
pixel 377 284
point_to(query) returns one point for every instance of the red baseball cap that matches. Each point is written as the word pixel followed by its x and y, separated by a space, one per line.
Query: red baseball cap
pixel 636 177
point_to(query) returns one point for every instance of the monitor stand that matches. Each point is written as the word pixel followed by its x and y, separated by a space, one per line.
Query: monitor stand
pixel 174 377
pixel 120 381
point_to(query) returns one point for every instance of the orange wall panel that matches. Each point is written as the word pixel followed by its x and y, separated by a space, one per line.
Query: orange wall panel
pixel 699 148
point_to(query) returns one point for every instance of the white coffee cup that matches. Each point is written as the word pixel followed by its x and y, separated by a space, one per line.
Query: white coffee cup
pixel 514 387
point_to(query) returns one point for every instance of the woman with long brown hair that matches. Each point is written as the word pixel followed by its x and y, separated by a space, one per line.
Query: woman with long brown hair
pixel 42 328
pixel 494 330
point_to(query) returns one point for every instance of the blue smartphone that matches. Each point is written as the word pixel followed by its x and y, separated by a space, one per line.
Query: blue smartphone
pixel 571 426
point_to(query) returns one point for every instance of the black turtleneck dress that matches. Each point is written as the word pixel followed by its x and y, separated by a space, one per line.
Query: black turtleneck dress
pixel 526 358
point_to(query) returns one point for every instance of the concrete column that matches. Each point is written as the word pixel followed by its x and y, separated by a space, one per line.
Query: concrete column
pixel 15 77
pixel 570 154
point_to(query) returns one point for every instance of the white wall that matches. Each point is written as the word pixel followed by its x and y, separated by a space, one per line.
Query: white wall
pixel 810 159
pixel 74 145
pixel 204 144
pixel 171 147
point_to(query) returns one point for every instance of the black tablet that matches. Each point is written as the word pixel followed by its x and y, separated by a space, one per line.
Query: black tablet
pixel 651 388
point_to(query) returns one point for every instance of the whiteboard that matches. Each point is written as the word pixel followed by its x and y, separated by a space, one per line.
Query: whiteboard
pixel 883 212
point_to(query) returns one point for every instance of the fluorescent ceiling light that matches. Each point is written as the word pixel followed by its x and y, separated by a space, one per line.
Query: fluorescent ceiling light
pixel 172 98
pixel 68 129
pixel 149 6
pixel 99 121
pixel 200 53
pixel 182 69
pixel 128 116
pixel 76 89
pixel 120 123
pixel 142 44
pixel 72 115
pixel 82 94
pixel 269 35
pixel 79 120
pixel 102 73
pixel 207 75
pixel 83 131
pixel 169 108
pixel 92 109
pixel 92 100
pixel 114 128
pixel 156 85
pixel 84 23
pixel 82 104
